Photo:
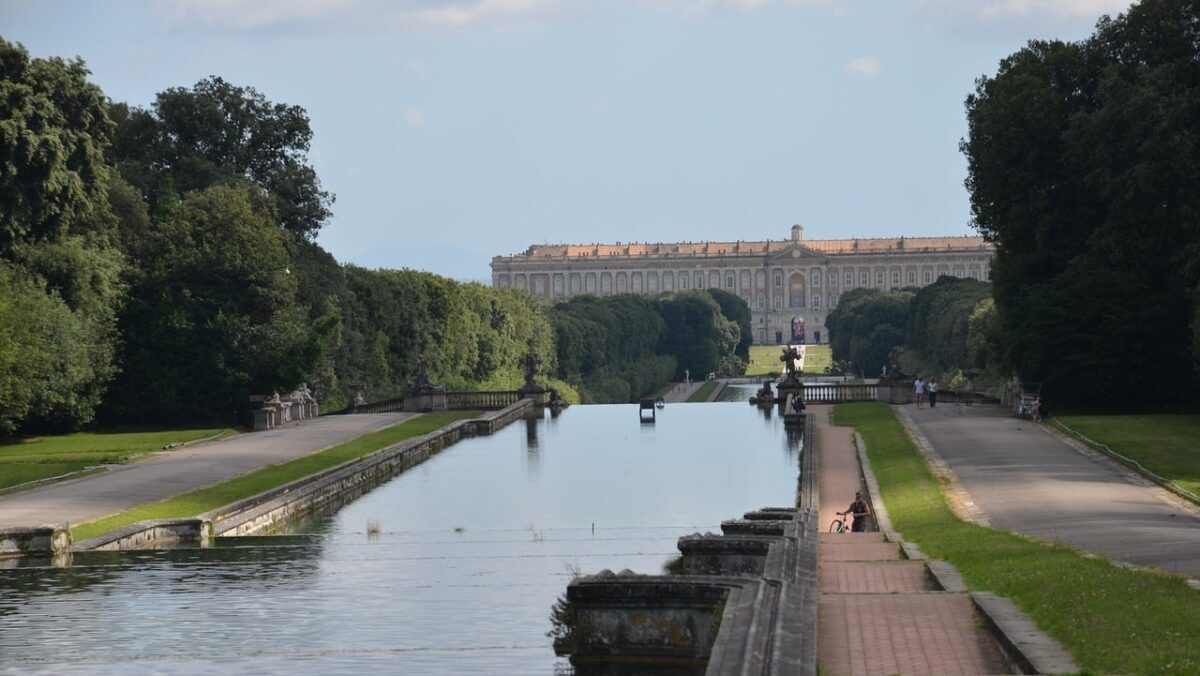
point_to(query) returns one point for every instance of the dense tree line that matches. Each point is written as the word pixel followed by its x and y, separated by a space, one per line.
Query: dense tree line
pixel 1083 164
pixel 618 348
pixel 943 329
pixel 866 325
pixel 159 265
pixel 60 267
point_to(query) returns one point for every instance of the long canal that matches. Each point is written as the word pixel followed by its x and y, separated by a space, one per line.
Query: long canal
pixel 451 567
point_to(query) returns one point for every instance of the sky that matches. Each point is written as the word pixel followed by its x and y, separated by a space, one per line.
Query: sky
pixel 452 131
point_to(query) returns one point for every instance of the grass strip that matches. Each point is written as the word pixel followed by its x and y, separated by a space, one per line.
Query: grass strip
pixel 703 392
pixel 764 359
pixel 226 492
pixel 1168 445
pixel 36 458
pixel 1111 619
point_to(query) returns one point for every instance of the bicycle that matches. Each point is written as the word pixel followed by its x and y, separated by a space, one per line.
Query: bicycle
pixel 839 525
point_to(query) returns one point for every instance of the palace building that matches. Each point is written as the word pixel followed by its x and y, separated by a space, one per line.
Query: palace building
pixel 790 285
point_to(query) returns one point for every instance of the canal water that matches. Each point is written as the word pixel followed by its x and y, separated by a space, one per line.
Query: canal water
pixel 449 568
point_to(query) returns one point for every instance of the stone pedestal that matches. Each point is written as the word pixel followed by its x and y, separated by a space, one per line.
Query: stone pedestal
pixel 539 394
pixel 896 391
pixel 425 399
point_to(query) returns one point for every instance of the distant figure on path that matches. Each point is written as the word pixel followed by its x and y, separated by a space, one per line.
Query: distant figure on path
pixel 860 510
pixel 932 392
pixel 919 386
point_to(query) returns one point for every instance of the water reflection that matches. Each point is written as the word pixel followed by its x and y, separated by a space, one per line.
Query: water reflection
pixel 471 549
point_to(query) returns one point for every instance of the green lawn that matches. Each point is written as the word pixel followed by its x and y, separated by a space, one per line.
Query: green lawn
pixel 1168 445
pixel 1111 619
pixel 764 359
pixel 209 498
pixel 35 458
pixel 702 394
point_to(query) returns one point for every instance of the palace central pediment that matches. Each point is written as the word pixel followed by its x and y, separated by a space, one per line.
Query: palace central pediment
pixel 797 253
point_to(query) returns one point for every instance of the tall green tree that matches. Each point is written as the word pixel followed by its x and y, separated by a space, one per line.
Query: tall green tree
pixel 939 324
pixel 735 309
pixel 212 315
pixel 217 133
pixel 61 282
pixel 697 333
pixel 53 133
pixel 1083 160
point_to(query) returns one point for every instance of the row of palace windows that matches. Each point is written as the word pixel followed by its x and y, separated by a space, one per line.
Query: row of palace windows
pixel 864 276
pixel 797 301
pixel 637 283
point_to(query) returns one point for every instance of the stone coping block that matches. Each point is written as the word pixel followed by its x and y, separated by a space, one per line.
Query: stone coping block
pixel 764 627
pixel 149 534
pixel 946 576
pixel 1027 649
pixel 754 527
pixel 30 540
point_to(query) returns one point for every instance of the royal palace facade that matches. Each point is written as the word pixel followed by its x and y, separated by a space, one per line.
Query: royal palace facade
pixel 790 285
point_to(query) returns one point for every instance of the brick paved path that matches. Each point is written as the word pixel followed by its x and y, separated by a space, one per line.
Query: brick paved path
pixel 878 612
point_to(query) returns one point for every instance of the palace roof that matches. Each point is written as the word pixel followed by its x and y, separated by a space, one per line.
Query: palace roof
pixel 748 248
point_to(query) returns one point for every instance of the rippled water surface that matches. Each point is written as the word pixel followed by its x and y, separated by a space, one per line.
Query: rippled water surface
pixel 473 548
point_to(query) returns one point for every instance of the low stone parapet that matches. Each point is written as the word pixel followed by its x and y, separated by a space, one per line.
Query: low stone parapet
pixel 151 534
pixel 710 554
pixel 34 540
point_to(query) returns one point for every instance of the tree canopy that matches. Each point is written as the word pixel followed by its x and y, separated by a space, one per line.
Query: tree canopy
pixel 1083 163
pixel 216 133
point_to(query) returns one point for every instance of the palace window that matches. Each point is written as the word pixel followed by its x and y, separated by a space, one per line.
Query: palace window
pixel 729 281
pixel 849 279
pixel 879 278
pixel 778 302
pixel 974 273
pixel 816 278
pixel 832 302
pixel 778 279
pixel 816 301
pixel 929 276
pixel 895 278
pixel 864 278
pixel 912 276
pixel 762 302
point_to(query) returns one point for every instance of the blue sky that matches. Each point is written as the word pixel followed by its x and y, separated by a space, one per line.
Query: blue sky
pixel 453 131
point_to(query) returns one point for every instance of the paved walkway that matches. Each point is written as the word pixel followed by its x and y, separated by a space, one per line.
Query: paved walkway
pixel 165 474
pixel 1025 479
pixel 878 613
pixel 681 392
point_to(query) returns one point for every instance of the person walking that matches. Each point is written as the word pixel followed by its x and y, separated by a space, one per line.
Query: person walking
pixel 860 511
pixel 919 386
pixel 932 392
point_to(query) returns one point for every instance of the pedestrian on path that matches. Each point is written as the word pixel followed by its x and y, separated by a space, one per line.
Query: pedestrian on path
pixel 860 510
pixel 919 386
pixel 932 392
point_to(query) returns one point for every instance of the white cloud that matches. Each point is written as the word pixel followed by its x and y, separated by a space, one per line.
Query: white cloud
pixel 241 15
pixel 479 11
pixel 417 68
pixel 1023 18
pixel 837 7
pixel 251 14
pixel 414 116
pixel 863 68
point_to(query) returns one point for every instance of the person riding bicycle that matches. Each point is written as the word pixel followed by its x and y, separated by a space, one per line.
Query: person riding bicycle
pixel 860 510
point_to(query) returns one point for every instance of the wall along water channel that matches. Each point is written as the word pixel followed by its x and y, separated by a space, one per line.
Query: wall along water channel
pixel 472 549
